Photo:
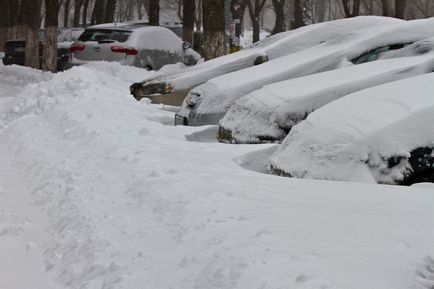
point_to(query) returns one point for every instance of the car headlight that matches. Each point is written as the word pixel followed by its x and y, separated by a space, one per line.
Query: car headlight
pixel 157 88
pixel 168 88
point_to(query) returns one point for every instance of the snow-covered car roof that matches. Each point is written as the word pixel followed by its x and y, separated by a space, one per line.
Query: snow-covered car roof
pixel 272 47
pixel 328 144
pixel 269 113
pixel 216 95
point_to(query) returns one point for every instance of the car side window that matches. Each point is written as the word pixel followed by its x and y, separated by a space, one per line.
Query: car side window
pixel 102 34
pixel 375 54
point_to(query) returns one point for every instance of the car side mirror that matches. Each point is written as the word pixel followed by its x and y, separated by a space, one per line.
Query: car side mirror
pixel 186 45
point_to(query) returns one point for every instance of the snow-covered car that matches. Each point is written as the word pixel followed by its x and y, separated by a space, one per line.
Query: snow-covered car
pixel 173 87
pixel 207 103
pixel 268 114
pixel 383 134
pixel 141 46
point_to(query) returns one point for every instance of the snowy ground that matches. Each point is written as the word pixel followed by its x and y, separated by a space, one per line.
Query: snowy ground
pixel 100 191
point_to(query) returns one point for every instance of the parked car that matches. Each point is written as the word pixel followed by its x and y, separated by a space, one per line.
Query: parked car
pixel 15 48
pixel 208 103
pixel 147 47
pixel 382 134
pixel 172 88
pixel 268 114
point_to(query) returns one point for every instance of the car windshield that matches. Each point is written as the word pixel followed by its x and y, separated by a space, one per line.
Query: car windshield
pixel 104 34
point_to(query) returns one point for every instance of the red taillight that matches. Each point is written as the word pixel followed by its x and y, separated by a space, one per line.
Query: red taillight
pixel 77 47
pixel 127 51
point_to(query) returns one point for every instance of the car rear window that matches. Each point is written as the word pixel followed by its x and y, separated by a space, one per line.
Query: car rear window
pixel 104 34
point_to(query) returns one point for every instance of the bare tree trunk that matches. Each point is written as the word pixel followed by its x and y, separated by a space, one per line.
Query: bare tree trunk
pixel 198 16
pixel 98 12
pixel 67 6
pixel 4 23
pixel 400 8
pixel 32 25
pixel 139 9
pixel 385 6
pixel 213 29
pixel 188 12
pixel 321 11
pixel 255 12
pixel 110 11
pixel 298 14
pixel 279 25
pixel 84 16
pixel 77 7
pixel 154 12
pixel 347 10
pixel 50 44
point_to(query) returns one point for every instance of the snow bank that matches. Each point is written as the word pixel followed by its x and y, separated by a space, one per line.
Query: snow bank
pixel 270 112
pixel 95 192
pixel 126 73
pixel 326 145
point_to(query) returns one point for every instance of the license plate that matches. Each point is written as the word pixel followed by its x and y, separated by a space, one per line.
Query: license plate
pixel 224 135
pixel 180 120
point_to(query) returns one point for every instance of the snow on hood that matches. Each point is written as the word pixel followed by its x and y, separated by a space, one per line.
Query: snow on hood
pixel 312 149
pixel 334 53
pixel 272 110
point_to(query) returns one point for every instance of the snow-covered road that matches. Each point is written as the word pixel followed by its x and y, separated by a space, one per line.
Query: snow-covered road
pixel 100 191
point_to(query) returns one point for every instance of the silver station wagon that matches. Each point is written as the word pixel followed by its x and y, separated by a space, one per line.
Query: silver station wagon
pixel 137 45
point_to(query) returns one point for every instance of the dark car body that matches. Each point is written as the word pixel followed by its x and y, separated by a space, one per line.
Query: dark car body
pixel 16 54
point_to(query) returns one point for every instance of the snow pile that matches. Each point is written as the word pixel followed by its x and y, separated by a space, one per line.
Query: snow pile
pixel 78 82
pixel 270 112
pixel 337 140
pixel 126 73
pixel 95 192
pixel 20 76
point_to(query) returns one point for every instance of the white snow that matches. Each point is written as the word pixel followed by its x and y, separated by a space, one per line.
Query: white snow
pixel 218 94
pixel 97 192
pixel 368 126
pixel 275 108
